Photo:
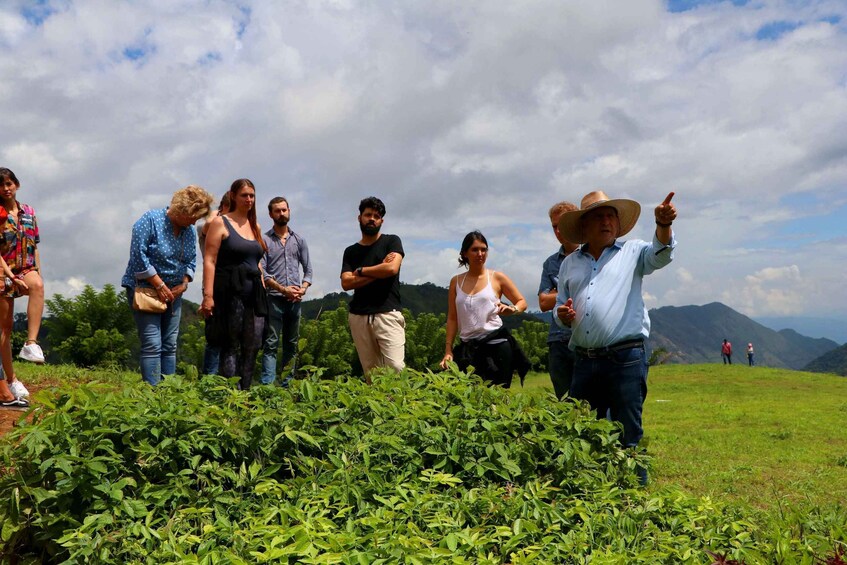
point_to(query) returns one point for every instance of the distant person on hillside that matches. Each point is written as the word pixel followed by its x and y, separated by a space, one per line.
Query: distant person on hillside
pixel 163 257
pixel 287 253
pixel 212 353
pixel 474 311
pixel 750 354
pixel 371 269
pixel 560 358
pixel 726 352
pixel 600 299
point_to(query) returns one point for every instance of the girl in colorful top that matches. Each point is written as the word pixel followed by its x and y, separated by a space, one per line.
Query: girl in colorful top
pixel 20 252
pixel 12 394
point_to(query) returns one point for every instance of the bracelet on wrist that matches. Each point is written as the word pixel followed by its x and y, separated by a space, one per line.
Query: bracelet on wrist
pixel 660 224
pixel 160 286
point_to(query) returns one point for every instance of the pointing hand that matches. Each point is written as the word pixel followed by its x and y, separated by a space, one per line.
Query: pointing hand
pixel 666 211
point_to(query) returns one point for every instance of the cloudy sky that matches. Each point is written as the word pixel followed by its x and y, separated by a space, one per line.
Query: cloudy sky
pixel 460 115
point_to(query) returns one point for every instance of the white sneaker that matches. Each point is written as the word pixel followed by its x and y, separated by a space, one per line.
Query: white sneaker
pixel 32 352
pixel 18 389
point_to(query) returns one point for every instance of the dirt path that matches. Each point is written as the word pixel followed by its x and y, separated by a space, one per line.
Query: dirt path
pixel 9 418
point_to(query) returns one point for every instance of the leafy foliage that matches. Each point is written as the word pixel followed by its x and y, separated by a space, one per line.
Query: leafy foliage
pixel 92 329
pixel 532 337
pixel 418 468
pixel 97 329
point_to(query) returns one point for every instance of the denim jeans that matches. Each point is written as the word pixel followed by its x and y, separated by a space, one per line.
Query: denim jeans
pixel 211 360
pixel 282 324
pixel 560 361
pixel 616 385
pixel 158 334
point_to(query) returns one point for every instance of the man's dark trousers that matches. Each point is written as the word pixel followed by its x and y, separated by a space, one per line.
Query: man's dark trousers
pixel 616 383
pixel 560 362
pixel 283 323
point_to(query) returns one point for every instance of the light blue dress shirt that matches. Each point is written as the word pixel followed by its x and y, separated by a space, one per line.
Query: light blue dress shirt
pixel 606 293
pixel 282 262
pixel 155 249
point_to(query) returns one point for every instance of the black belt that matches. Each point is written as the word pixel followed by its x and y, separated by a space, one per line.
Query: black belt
pixel 606 352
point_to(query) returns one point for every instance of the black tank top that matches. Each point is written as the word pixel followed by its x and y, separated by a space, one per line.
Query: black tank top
pixel 235 252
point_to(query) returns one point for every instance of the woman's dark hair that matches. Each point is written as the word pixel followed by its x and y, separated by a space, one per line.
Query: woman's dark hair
pixel 8 174
pixel 373 203
pixel 223 207
pixel 475 235
pixel 237 185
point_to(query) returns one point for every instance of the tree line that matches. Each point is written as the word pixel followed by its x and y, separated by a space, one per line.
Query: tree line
pixel 96 329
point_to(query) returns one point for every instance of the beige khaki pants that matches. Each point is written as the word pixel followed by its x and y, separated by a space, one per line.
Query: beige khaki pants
pixel 380 339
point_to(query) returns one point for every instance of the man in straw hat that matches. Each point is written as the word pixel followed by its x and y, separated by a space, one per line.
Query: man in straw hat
pixel 600 299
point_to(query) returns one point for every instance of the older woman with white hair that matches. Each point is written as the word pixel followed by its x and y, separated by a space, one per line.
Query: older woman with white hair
pixel 162 261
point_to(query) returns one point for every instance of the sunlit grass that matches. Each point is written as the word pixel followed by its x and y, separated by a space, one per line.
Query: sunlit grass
pixel 761 436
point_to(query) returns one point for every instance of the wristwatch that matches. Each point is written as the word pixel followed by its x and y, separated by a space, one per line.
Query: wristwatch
pixel 359 272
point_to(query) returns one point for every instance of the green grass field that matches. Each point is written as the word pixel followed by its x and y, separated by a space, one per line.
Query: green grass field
pixel 759 436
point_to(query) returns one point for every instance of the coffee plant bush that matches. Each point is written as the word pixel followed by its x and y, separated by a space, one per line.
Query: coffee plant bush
pixel 418 468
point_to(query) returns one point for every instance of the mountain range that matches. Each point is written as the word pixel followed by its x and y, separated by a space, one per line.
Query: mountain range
pixel 688 334
pixel 694 334
pixel 832 328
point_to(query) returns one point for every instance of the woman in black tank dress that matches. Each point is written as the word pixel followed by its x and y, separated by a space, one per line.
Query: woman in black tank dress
pixel 233 292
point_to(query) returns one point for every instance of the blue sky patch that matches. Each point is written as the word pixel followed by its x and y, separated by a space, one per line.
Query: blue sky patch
pixel 774 30
pixel 37 12
pixel 135 53
pixel 820 227
pixel 685 5
pixel 246 12
pixel 210 58
pixel 140 50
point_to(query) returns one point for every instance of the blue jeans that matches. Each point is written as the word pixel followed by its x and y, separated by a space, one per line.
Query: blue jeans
pixel 560 363
pixel 158 334
pixel 283 323
pixel 211 360
pixel 616 384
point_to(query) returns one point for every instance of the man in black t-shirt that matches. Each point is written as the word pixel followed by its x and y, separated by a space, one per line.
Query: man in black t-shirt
pixel 371 268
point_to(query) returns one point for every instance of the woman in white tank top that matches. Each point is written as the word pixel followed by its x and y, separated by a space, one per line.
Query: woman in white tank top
pixel 474 309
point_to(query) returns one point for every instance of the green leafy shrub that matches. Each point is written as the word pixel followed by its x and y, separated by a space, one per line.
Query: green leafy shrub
pixel 417 468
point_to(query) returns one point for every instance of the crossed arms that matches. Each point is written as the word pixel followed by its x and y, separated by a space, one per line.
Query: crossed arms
pixel 389 267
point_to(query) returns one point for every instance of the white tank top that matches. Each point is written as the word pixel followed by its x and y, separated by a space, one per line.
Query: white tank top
pixel 477 313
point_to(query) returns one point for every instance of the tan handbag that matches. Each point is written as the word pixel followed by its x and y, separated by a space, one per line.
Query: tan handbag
pixel 147 300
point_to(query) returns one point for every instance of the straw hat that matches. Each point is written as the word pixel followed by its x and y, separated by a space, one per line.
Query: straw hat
pixel 570 222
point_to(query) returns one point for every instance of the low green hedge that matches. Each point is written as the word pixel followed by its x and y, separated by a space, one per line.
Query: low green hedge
pixel 417 468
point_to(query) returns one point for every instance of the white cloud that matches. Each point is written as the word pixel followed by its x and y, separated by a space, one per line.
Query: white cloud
pixel 459 115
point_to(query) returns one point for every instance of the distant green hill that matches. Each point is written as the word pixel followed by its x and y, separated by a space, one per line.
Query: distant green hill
pixel 834 361
pixel 693 334
pixel 418 298
pixel 690 334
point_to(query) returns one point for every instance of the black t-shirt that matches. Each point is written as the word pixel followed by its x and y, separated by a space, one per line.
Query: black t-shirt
pixel 382 295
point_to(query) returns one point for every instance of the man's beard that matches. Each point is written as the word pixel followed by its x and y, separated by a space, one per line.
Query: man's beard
pixel 368 229
pixel 281 222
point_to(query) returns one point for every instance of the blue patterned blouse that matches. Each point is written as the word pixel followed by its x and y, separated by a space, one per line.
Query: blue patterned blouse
pixel 155 249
